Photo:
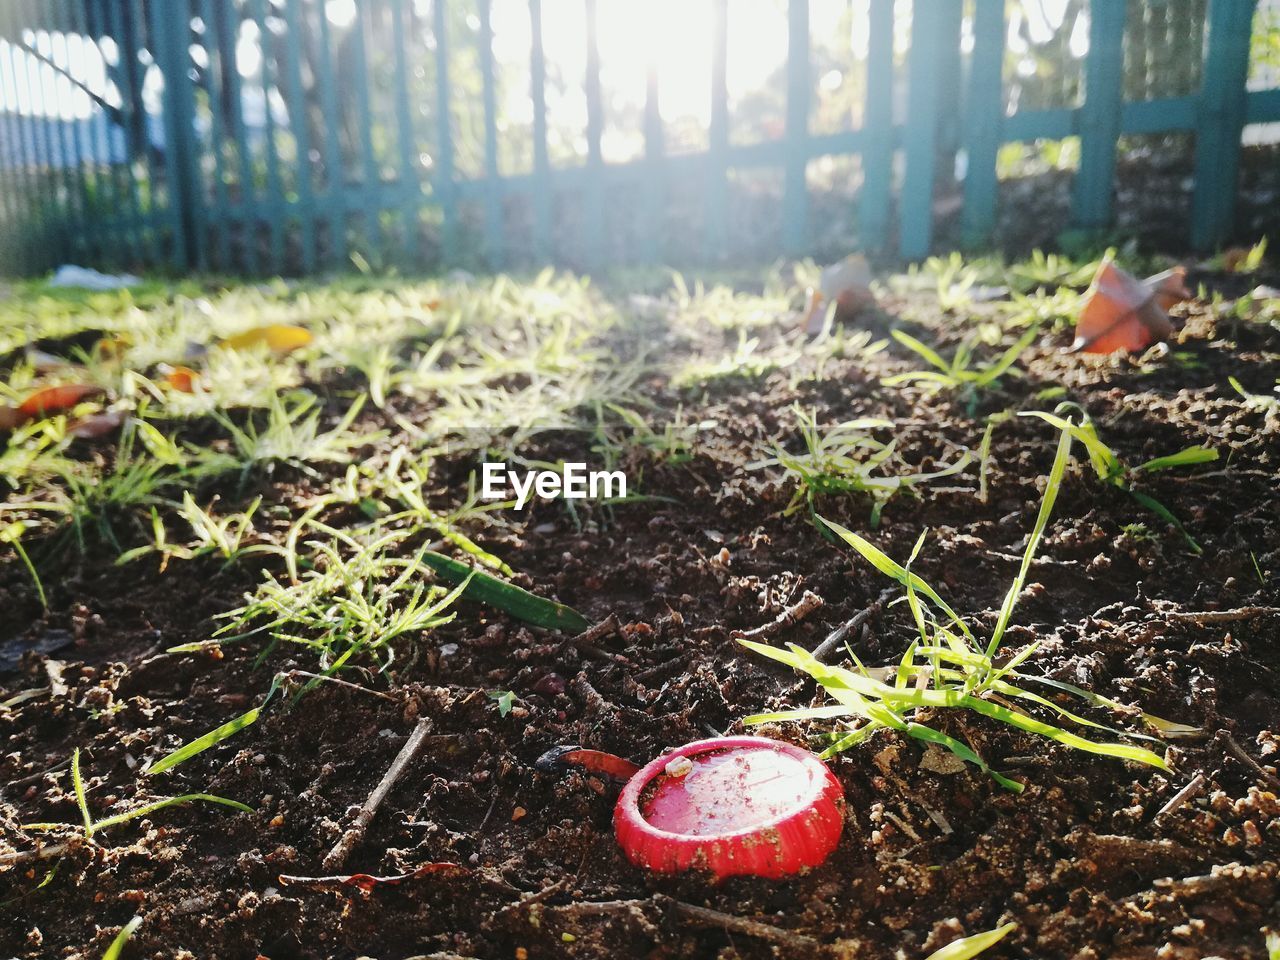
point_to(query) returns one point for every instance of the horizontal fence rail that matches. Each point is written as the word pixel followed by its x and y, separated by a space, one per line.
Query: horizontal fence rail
pixel 268 136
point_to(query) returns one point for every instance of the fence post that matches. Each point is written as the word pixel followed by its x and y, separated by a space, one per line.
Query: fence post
pixel 877 128
pixel 1220 121
pixel 171 36
pixel 1100 114
pixel 928 35
pixel 983 118
pixel 795 199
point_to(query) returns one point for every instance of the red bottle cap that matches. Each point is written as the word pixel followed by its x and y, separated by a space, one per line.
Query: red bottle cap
pixel 733 806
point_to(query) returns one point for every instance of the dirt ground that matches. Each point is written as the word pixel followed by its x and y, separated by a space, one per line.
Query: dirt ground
pixel 1087 861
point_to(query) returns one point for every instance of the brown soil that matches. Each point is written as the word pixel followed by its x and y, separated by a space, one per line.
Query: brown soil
pixel 1081 861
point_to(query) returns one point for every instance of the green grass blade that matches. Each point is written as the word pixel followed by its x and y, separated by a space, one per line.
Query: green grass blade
pixel 1183 458
pixel 77 784
pixel 1051 489
pixel 891 568
pixel 967 947
pixel 151 808
pixel 507 597
pixel 961 750
pixel 200 744
pixel 927 352
pixel 1119 751
pixel 117 945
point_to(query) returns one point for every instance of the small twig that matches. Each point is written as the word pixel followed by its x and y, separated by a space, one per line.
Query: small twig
pixel 355 833
pixel 705 916
pixel 39 853
pixel 1237 751
pixel 837 636
pixel 1218 616
pixel 805 946
pixel 1195 785
pixel 585 642
pixel 807 604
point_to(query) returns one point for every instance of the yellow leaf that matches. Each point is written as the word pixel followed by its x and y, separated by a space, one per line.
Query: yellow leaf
pixel 279 337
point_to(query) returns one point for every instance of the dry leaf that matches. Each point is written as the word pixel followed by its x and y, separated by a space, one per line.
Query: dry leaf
pixel 1123 313
pixel 182 379
pixel 56 399
pixel 848 283
pixel 279 337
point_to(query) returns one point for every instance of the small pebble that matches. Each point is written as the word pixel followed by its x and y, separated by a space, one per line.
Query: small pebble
pixel 679 767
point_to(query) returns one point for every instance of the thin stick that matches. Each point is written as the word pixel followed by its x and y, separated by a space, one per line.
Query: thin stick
pixel 355 833
pixel 793 614
pixel 1219 616
pixel 1237 751
pixel 837 636
pixel 1181 797
pixel 39 853
pixel 751 928
pixel 704 916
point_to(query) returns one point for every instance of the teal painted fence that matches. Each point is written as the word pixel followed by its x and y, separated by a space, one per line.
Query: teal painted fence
pixel 266 136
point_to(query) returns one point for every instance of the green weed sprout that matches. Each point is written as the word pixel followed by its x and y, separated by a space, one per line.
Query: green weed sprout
pixel 292 435
pixel 11 533
pixel 968 947
pixel 223 536
pixel 847 459
pixel 1110 469
pixel 92 826
pixel 1256 401
pixel 959 373
pixel 947 667
pixel 116 950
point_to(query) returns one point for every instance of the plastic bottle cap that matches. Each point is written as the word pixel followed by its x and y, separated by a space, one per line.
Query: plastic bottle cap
pixel 746 805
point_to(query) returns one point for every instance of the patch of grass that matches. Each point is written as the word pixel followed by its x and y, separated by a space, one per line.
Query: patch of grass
pixel 355 600
pixel 1113 471
pixel 846 459
pixel 947 667
pixel 960 373
pixel 92 826
pixel 292 435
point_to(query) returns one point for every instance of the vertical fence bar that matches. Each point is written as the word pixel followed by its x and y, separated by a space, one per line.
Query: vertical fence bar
pixel 334 176
pixel 275 205
pixel 217 131
pixel 84 148
pixel 171 36
pixel 8 215
pixel 12 188
pixel 122 172
pixel 795 198
pixel 38 139
pixel 493 226
pixel 444 189
pixel 542 244
pixel 877 128
pixel 153 245
pixel 928 35
pixel 593 210
pixel 411 188
pixel 984 117
pixel 1220 122
pixel 104 194
pixel 244 156
pixel 299 124
pixel 73 217
pixel 1100 114
pixel 651 192
pixel 716 226
pixel 17 124
pixel 364 123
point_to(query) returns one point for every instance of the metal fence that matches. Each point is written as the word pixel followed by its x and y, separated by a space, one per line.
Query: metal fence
pixel 264 136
